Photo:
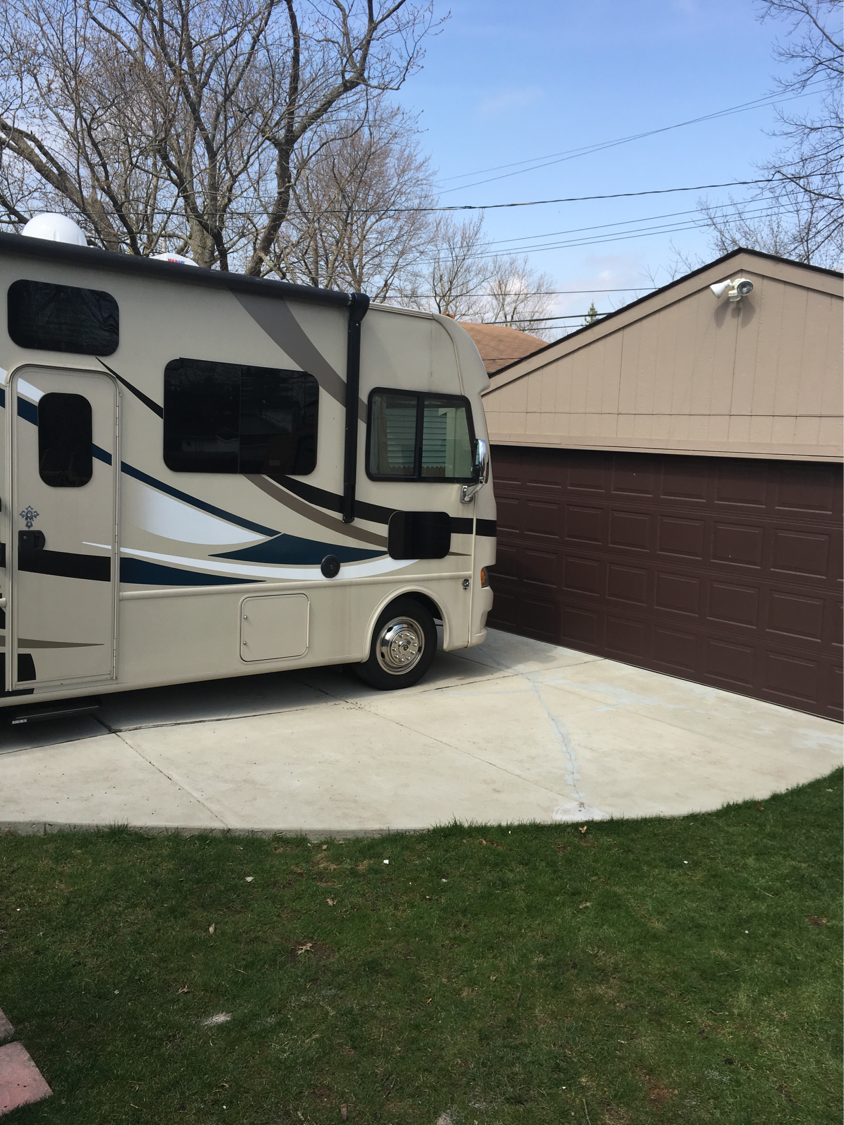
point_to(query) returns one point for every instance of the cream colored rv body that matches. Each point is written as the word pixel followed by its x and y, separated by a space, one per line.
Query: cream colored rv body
pixel 130 573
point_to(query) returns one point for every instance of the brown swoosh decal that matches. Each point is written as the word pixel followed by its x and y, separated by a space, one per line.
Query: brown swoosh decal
pixel 23 642
pixel 302 508
pixel 282 327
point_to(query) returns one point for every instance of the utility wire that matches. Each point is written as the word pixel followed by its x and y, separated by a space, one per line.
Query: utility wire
pixel 474 206
pixel 543 319
pixel 573 153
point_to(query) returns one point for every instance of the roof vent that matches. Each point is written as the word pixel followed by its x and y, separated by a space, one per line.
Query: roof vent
pixel 176 258
pixel 55 228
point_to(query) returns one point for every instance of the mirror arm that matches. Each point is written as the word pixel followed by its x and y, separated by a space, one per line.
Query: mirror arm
pixel 480 472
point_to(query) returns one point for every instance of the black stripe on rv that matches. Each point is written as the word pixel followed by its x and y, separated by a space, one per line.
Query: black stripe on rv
pixel 375 513
pixel 145 399
pixel 65 564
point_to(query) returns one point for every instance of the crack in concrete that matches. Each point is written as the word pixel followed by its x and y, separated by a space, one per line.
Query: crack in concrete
pixel 222 822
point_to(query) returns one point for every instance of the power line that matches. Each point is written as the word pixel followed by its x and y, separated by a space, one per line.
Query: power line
pixel 623 222
pixel 468 206
pixel 543 319
pixel 559 292
pixel 572 154
pixel 564 199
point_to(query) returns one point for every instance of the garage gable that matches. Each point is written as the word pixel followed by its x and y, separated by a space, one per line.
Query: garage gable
pixel 680 371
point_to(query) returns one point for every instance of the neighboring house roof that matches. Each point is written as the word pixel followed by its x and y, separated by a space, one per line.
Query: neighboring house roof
pixel 500 346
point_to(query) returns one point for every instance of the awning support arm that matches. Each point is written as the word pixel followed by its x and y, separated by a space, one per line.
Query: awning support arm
pixel 358 306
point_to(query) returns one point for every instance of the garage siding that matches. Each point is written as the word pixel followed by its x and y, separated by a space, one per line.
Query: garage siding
pixel 720 570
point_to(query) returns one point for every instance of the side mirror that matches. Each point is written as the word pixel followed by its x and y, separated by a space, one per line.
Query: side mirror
pixel 480 471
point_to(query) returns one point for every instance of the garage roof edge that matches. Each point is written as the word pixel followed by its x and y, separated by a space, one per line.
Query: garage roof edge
pixel 596 326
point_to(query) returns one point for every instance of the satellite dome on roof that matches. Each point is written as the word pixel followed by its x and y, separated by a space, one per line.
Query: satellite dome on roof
pixel 177 258
pixel 55 228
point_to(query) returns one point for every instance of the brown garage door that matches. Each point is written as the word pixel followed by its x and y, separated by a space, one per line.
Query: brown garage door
pixel 724 571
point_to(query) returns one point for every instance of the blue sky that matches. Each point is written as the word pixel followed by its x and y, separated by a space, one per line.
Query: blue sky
pixel 505 82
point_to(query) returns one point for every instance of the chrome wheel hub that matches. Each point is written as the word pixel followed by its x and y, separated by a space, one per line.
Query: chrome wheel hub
pixel 400 645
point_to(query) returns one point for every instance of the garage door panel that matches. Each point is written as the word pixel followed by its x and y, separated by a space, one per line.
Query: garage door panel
pixel 733 604
pixel 791 677
pixel 508 610
pixel 676 650
pixel 627 584
pixel 588 476
pixel 631 476
pixel 718 570
pixel 801 553
pixel 582 576
pixel 585 525
pixel 508 562
pixel 627 638
pixel 581 627
pixel 738 545
pixel 541 568
pixel 835 622
pixel 678 593
pixel 686 483
pixel 741 484
pixel 835 689
pixel 729 663
pixel 542 616
pixel 509 515
pixel 542 520
pixel 630 530
pixel 678 536
pixel 796 616
pixel 808 490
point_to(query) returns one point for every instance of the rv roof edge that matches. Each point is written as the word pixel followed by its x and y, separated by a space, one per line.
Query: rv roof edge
pixel 167 271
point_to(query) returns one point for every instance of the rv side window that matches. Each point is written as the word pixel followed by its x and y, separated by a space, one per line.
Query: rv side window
pixel 64 440
pixel 63 318
pixel 419 437
pixel 233 418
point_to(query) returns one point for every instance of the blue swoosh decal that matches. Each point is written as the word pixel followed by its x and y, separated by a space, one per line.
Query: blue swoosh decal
pixel 293 550
pixel 28 411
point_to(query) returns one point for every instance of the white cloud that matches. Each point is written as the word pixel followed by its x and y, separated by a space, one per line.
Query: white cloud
pixel 509 100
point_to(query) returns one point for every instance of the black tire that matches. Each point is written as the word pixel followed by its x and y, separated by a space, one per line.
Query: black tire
pixel 404 644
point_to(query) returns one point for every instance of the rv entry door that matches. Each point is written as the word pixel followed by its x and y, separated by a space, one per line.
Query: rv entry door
pixel 61 609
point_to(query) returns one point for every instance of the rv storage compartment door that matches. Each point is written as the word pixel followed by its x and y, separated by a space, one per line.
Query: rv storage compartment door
pixel 274 627
pixel 64 548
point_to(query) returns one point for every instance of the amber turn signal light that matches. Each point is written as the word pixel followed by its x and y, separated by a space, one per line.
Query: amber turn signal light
pixel 484 576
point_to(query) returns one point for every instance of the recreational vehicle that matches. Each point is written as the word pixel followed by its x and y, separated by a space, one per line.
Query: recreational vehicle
pixel 210 475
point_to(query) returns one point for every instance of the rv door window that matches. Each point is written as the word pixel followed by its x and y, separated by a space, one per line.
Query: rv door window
pixel 64 440
pixel 419 437
pixel 63 318
pixel 234 418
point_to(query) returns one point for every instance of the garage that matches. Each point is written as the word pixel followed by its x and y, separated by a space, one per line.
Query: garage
pixel 723 569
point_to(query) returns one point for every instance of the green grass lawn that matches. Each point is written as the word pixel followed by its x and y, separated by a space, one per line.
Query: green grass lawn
pixel 676 971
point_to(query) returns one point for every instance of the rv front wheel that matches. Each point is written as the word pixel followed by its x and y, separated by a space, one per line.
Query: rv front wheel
pixel 404 643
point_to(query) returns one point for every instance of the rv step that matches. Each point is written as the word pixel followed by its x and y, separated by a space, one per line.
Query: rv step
pixel 60 709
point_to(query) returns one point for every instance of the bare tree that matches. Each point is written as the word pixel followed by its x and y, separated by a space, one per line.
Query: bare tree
pixel 791 223
pixel 463 278
pixel 800 214
pixel 162 123
pixel 452 277
pixel 360 211
pixel 519 296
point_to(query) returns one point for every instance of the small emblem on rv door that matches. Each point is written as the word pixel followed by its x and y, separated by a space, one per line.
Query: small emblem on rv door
pixel 29 515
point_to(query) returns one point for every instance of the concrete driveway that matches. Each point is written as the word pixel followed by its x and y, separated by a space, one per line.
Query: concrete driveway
pixel 514 730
